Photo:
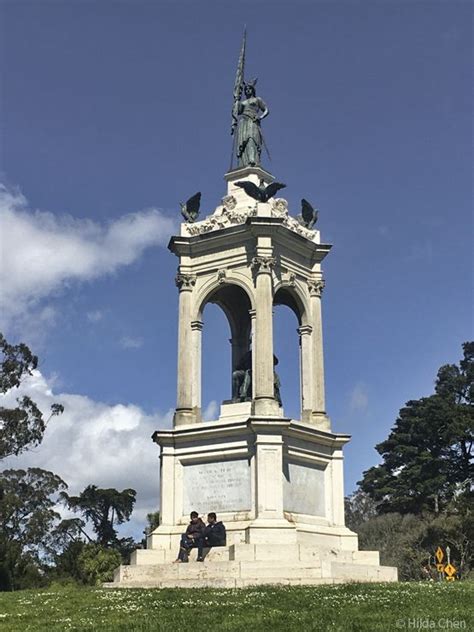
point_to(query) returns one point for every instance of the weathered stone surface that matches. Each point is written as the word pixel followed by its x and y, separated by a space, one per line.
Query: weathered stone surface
pixel 286 570
pixel 304 488
pixel 221 486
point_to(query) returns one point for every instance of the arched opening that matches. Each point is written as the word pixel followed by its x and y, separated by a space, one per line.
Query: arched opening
pixel 286 345
pixel 225 342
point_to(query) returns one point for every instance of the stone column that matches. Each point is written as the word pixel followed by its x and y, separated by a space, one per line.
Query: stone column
pixel 337 481
pixel 167 487
pixel 318 407
pixel 264 398
pixel 253 317
pixel 184 407
pixel 306 371
pixel 196 335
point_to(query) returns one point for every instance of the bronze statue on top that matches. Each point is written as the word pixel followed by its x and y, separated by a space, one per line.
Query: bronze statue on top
pixel 246 117
pixel 249 134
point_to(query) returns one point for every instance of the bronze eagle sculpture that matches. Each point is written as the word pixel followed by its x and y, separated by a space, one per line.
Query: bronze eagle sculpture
pixel 260 193
pixel 309 215
pixel 190 210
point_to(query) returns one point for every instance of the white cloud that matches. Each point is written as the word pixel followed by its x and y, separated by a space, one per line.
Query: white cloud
pixel 359 398
pixel 211 411
pixel 129 342
pixel 94 316
pixel 96 443
pixel 41 252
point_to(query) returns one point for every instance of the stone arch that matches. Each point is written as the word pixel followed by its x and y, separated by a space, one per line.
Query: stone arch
pixel 290 296
pixel 236 303
pixel 212 286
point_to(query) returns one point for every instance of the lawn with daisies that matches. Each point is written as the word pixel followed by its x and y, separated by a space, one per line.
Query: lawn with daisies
pixel 342 608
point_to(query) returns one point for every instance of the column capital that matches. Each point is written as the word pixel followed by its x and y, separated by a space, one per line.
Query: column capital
pixel 304 330
pixel 262 264
pixel 316 287
pixel 185 282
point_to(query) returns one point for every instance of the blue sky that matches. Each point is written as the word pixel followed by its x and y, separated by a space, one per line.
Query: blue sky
pixel 113 112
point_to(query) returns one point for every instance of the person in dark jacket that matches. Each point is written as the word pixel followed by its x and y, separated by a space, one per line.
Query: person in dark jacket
pixel 193 537
pixel 213 535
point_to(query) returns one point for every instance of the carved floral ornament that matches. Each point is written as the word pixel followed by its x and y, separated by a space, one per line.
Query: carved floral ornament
pixel 185 281
pixel 263 264
pixel 230 214
pixel 316 287
pixel 290 279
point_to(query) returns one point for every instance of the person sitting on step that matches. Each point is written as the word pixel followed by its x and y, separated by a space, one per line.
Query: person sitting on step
pixel 213 535
pixel 192 538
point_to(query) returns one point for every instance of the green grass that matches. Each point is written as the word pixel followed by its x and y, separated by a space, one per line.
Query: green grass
pixel 342 608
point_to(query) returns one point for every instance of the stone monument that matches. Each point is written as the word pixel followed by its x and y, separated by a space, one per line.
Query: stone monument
pixel 276 482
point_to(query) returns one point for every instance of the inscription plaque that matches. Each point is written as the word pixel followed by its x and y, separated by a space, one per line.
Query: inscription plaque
pixel 219 487
pixel 303 489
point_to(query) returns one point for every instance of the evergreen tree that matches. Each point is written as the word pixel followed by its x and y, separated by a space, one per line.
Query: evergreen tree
pixel 427 458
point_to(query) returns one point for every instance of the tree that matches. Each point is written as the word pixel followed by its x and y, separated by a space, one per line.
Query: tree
pixel 427 458
pixel 359 507
pixel 103 508
pixel 27 524
pixel 153 520
pixel 21 427
pixel 96 564
pixel 401 541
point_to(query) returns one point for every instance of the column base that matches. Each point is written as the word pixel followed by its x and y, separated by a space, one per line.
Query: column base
pixel 266 406
pixel 320 420
pixel 184 417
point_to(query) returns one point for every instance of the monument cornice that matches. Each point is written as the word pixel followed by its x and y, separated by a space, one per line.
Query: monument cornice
pixel 242 172
pixel 254 227
pixel 313 434
pixel 198 432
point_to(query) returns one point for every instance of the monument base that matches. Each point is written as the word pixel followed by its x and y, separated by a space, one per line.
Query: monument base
pixel 247 564
pixel 276 483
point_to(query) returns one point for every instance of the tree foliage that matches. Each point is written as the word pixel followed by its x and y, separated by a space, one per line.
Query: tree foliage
pixel 35 544
pixel 23 426
pixel 27 522
pixel 103 508
pixel 96 564
pixel 427 458
pixel 421 493
pixel 359 507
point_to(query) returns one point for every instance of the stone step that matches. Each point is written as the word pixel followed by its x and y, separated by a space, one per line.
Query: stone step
pixel 227 583
pixel 252 564
pixel 143 557
pixel 351 557
pixel 217 570
pixel 364 572
pixel 236 552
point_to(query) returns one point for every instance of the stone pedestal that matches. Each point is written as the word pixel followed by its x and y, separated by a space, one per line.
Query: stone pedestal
pixel 276 483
